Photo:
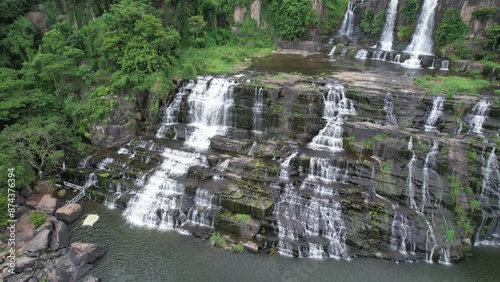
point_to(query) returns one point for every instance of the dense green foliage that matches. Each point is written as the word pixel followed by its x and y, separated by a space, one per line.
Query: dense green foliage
pixel 218 241
pixel 337 10
pixel 292 17
pixel 484 13
pixel 409 12
pixel 37 218
pixel 451 28
pixel 372 24
pixel 493 37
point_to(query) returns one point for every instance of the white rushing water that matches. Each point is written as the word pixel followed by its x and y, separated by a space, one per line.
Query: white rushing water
pixel 317 218
pixel 435 114
pixel 489 233
pixel 336 108
pixel 332 52
pixel 390 117
pixel 409 181
pixel 158 202
pixel 202 212
pixel 429 167
pixel 445 64
pixel 209 105
pixel 284 166
pixel 221 167
pixel 362 54
pixel 347 25
pixel 171 113
pixel 401 235
pixel 421 42
pixel 388 32
pixel 257 110
pixel 476 117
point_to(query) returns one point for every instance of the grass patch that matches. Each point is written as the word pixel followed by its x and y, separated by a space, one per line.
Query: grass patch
pixel 238 248
pixel 243 218
pixel 451 85
pixel 215 59
pixel 218 240
pixel 37 218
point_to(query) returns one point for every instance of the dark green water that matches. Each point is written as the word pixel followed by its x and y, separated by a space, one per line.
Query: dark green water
pixel 136 254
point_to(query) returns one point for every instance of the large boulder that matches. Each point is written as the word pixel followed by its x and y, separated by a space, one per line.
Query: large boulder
pixel 69 213
pixel 24 262
pixel 81 253
pixel 58 275
pixel 25 230
pixel 39 243
pixel 48 204
pixel 60 237
pixel 43 187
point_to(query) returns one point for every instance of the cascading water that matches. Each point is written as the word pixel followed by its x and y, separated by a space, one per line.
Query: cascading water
pixel 171 113
pixel 317 217
pixel 388 32
pixel 397 59
pixel 445 64
pixel 476 117
pixel 409 180
pixel 344 51
pixel 336 108
pixel 432 65
pixel 252 149
pixel 429 167
pixel 436 112
pixel 284 166
pixel 421 43
pixel 157 204
pixel 347 26
pixel 389 109
pixel 490 203
pixel 362 54
pixel 209 105
pixel 332 52
pixel 221 167
pixel 203 210
pixel 257 110
pixel 401 235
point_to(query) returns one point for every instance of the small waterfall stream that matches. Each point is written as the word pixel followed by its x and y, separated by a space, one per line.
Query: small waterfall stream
pixel 171 113
pixel 284 166
pixel 203 210
pixel 317 217
pixel 388 32
pixel 421 42
pixel 332 52
pixel 390 117
pixel 209 105
pixel 257 110
pixel 347 26
pixel 476 117
pixel 336 108
pixel 435 114
pixel 362 54
pixel 489 234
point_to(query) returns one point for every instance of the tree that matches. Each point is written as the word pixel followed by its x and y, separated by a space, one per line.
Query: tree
pixel 452 28
pixel 38 141
pixel 13 97
pixel 196 25
pixel 291 17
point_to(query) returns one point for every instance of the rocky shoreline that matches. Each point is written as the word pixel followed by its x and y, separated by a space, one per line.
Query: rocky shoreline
pixel 44 253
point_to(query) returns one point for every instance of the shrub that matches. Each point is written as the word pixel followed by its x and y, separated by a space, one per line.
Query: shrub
pixel 484 13
pixel 372 24
pixel 410 11
pixel 291 17
pixel 238 248
pixel 37 218
pixel 493 37
pixel 243 218
pixel 452 28
pixel 218 240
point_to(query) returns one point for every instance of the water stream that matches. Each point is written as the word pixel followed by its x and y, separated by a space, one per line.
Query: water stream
pixel 388 32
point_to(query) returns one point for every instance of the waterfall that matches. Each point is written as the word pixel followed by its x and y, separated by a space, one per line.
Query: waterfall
pixel 344 51
pixel 284 166
pixel 490 203
pixel 444 65
pixel 436 112
pixel 362 54
pixel 84 163
pixel 459 128
pixel 258 108
pixel 397 59
pixel 203 211
pixel 477 116
pixel 409 180
pixel 157 205
pixel 347 26
pixel 252 149
pixel 171 113
pixel 221 167
pixel 317 218
pixel 209 105
pixel 430 242
pixel 91 180
pixel 429 166
pixel 432 65
pixel 388 32
pixel 401 234
pixel 332 52
pixel 336 108
pixel 389 109
pixel 421 42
